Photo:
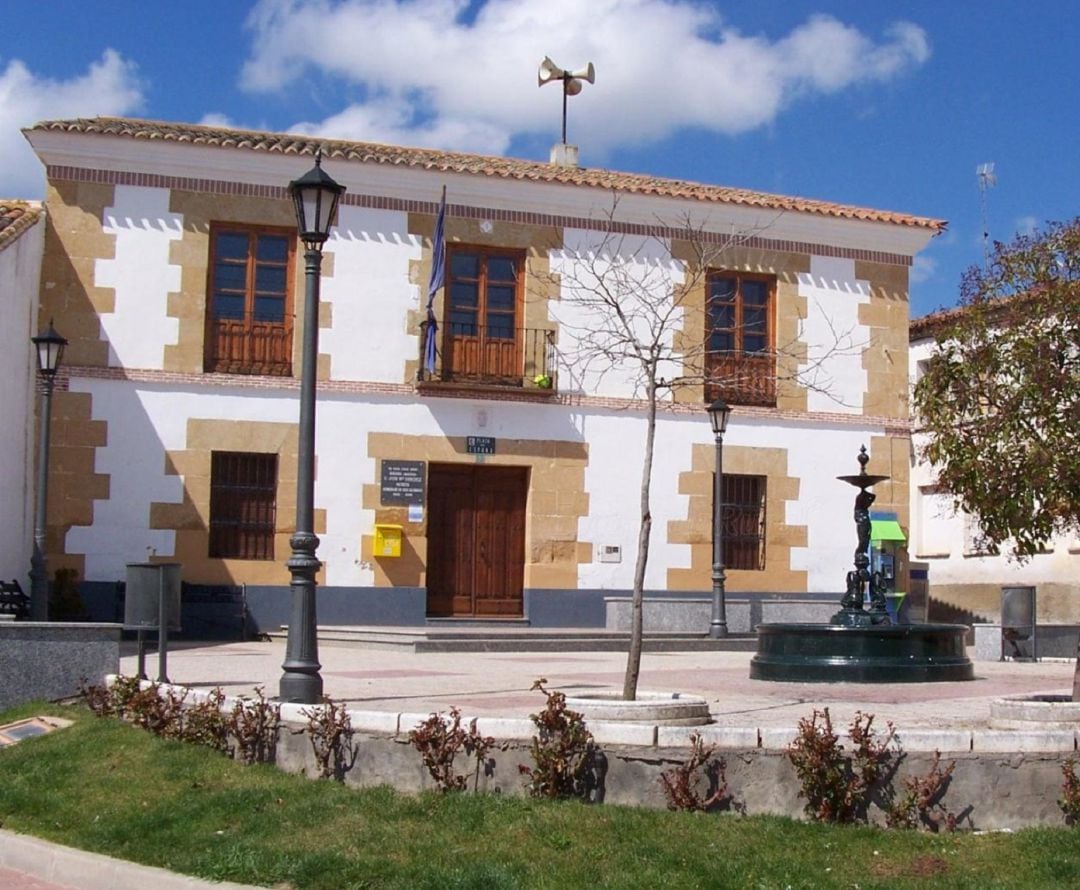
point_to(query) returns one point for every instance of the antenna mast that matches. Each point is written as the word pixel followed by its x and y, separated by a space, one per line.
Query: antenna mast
pixel 984 173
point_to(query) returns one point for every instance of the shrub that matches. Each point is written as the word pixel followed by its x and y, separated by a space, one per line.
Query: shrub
pixel 837 786
pixel 563 753
pixel 439 738
pixel 1070 793
pixel 680 783
pixel 330 732
pixel 255 724
pixel 921 804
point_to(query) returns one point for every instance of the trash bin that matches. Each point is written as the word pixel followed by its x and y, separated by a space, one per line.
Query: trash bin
pixel 152 602
pixel 146 583
pixel 1018 639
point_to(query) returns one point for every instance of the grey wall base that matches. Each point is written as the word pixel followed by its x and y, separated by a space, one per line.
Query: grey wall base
pixel 692 614
pixel 235 612
pixel 49 660
pixel 1051 641
pixel 989 790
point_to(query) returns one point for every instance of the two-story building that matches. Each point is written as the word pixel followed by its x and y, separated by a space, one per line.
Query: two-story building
pixel 512 468
pixel 22 239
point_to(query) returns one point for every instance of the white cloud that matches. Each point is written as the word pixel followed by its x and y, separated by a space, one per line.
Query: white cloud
pixel 1026 225
pixel 110 86
pixel 923 268
pixel 429 75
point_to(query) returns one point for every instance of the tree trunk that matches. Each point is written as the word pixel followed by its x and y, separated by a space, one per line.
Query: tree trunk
pixel 633 659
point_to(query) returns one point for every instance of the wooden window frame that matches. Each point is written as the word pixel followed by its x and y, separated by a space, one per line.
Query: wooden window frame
pixel 739 376
pixel 250 347
pixel 743 504
pixel 481 366
pixel 243 505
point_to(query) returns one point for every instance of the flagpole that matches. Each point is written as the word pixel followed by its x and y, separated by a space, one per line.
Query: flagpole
pixel 429 327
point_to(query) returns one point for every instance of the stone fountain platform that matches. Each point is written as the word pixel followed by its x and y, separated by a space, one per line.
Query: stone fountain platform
pixel 877 653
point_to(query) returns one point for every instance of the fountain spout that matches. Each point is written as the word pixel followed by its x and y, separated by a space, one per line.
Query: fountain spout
pixel 861 584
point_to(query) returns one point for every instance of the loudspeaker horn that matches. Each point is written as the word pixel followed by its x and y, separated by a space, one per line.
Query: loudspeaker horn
pixel 548 72
pixel 587 73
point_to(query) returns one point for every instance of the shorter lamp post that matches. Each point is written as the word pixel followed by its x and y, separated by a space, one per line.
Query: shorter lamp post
pixel 315 197
pixel 50 349
pixel 719 412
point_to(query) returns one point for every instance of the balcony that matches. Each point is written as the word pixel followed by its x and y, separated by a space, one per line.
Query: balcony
pixel 471 355
pixel 248 346
pixel 741 379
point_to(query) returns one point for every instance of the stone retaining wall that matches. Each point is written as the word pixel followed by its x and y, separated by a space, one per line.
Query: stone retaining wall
pixel 48 659
pixel 1002 779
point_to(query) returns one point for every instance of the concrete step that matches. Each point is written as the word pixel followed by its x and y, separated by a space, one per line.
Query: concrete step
pixel 519 639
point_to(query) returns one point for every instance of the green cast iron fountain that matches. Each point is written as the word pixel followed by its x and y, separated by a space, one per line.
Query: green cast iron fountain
pixel 861 645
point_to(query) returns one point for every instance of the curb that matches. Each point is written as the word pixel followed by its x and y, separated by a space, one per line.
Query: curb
pixel 92 871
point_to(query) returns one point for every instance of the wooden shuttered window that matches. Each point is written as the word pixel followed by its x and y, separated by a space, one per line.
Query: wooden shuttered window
pixel 243 505
pixel 740 363
pixel 249 314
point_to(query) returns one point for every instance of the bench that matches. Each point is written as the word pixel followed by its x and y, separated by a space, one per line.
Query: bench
pixel 12 599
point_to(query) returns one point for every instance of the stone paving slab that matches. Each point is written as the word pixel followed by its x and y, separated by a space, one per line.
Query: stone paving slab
pixel 497 685
pixel 28 863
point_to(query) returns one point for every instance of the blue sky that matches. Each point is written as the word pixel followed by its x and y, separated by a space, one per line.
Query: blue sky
pixel 885 104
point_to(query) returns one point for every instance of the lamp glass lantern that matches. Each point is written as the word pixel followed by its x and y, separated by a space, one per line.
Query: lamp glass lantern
pixel 315 197
pixel 719 412
pixel 50 350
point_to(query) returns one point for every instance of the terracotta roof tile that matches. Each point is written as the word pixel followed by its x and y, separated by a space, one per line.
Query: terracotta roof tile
pixel 457 162
pixel 15 218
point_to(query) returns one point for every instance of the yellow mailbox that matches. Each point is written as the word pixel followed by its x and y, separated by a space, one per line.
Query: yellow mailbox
pixel 387 539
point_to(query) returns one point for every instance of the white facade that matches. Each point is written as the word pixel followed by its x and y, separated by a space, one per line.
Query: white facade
pixel 148 417
pixel 20 269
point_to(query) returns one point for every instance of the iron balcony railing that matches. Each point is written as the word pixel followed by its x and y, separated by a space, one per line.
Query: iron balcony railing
pixel 741 379
pixel 248 345
pixel 495 356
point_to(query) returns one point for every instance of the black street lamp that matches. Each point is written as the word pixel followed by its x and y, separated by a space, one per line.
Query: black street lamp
pixel 50 349
pixel 719 412
pixel 315 196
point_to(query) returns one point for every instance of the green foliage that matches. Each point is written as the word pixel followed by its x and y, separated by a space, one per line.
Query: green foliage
pixel 439 739
pixel 839 786
pixel 681 782
pixel 1000 397
pixel 565 759
pixel 100 785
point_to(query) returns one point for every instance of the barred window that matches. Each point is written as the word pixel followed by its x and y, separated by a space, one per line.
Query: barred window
pixel 743 522
pixel 243 505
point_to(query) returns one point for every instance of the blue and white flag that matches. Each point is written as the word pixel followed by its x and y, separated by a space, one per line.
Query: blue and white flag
pixel 438 277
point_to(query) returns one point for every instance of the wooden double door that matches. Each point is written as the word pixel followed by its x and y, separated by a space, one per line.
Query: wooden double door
pixel 476 540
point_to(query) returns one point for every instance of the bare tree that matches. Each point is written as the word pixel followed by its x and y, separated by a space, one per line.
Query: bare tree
pixel 633 317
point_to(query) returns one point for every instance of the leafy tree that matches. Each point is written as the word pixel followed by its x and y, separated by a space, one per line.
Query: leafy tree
pixel 1000 396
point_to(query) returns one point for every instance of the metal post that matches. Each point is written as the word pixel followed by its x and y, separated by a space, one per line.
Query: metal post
pixel 39 584
pixel 718 624
pixel 163 628
pixel 301 681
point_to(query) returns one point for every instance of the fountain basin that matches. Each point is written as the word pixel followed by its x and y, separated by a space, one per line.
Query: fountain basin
pixel 883 653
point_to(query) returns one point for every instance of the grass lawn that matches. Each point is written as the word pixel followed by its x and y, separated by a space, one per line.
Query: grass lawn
pixel 107 787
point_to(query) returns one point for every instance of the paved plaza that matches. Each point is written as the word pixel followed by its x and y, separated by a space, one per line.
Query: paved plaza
pixel 498 684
